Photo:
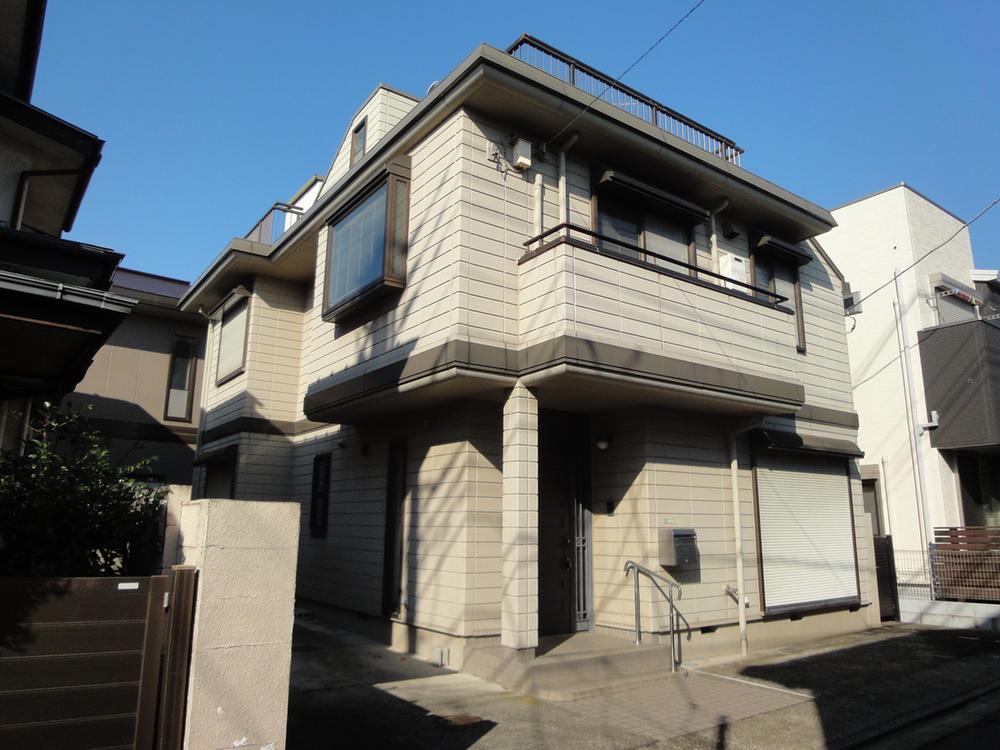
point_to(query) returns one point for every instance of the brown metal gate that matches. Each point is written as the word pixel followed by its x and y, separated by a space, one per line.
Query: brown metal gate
pixel 885 574
pixel 94 662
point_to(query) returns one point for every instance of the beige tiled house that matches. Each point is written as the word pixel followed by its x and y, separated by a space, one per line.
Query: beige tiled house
pixel 510 347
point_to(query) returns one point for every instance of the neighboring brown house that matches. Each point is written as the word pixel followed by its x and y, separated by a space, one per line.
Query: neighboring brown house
pixel 143 383
pixel 56 307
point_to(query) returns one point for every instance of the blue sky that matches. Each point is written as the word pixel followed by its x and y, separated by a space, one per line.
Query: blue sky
pixel 214 110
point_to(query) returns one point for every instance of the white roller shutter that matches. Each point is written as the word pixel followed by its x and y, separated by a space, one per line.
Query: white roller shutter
pixel 806 533
pixel 954 310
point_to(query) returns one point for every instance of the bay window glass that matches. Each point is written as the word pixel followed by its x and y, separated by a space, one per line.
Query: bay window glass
pixel 358 250
pixel 366 250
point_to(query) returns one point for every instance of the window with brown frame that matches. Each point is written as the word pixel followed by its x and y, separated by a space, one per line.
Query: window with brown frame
pixel 366 247
pixel 783 279
pixel 180 380
pixel 319 503
pixel 232 341
pixel 358 137
pixel 627 227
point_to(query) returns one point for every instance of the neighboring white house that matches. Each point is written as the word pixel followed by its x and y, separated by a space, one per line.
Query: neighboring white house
pixel 930 442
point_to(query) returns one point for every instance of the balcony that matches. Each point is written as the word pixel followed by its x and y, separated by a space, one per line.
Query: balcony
pixel 273 224
pixel 961 369
pixel 712 341
pixel 560 65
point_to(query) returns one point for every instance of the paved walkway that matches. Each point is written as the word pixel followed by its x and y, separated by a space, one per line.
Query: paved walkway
pixel 686 702
pixel 350 692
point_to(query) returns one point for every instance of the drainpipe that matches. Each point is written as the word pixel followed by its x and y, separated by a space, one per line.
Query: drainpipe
pixel 885 498
pixel 563 192
pixel 734 480
pixel 713 240
pixel 913 429
pixel 537 228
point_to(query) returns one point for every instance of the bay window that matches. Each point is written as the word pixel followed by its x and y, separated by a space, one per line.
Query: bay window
pixel 366 247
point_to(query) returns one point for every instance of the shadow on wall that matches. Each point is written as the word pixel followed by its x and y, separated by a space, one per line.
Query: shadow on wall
pixel 21 600
pixel 134 434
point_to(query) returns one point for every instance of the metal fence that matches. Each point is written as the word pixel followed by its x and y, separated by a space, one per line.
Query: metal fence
pixel 949 574
pixel 566 68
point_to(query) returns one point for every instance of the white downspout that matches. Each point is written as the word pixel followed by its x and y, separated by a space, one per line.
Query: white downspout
pixel 741 608
pixel 911 422
pixel 538 222
pixel 734 480
pixel 563 191
pixel 713 240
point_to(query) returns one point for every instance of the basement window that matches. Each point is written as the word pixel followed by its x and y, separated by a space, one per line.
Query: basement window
pixel 366 248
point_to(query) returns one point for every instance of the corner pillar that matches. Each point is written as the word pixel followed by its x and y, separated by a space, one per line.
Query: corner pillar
pixel 519 606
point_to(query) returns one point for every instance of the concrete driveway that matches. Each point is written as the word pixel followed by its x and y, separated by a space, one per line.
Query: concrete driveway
pixel 348 692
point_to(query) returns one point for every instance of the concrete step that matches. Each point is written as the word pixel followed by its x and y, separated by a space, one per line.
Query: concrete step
pixel 577 668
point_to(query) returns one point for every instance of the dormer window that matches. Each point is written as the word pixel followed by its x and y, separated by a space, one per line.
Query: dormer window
pixel 366 246
pixel 358 137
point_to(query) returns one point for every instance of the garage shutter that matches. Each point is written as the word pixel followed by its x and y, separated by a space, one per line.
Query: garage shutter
pixel 806 533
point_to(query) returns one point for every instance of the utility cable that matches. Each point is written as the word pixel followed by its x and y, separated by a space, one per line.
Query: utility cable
pixel 966 225
pixel 624 73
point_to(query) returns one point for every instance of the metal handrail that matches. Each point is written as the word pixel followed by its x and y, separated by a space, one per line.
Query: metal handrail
pixel 656 580
pixel 567 68
pixel 772 297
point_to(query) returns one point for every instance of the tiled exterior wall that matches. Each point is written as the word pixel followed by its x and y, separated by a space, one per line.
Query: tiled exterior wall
pixel 463 572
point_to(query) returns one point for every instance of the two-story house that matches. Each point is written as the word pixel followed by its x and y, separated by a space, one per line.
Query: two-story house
pixel 526 335
pixel 924 369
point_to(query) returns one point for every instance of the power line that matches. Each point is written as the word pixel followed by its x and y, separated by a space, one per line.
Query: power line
pixel 966 225
pixel 625 72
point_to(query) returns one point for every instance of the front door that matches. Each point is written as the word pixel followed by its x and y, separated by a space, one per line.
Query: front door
pixel 563 523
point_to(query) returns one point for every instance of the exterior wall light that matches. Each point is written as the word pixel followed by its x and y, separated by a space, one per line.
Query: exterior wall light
pixel 603 443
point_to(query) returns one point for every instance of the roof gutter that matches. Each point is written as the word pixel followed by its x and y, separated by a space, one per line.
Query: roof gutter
pixel 31 42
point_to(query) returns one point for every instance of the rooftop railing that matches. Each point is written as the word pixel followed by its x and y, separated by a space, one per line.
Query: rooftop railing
pixel 560 65
pixel 273 224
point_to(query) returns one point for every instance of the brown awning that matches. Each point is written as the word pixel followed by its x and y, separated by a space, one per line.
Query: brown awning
pixel 783 251
pixel 781 440
pixel 680 207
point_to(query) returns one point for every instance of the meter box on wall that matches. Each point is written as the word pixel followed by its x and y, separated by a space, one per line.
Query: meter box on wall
pixel 678 547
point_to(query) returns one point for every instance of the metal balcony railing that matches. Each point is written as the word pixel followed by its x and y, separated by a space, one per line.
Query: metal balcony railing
pixel 633 254
pixel 560 65
pixel 272 225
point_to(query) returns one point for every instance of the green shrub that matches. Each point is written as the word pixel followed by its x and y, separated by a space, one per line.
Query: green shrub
pixel 66 509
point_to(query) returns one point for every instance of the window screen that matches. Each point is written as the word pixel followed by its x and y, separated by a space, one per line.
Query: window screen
pixel 319 506
pixel 667 239
pixel 232 340
pixel 179 379
pixel 358 142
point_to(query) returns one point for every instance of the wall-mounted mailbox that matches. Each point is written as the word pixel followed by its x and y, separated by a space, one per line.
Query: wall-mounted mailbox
pixel 678 547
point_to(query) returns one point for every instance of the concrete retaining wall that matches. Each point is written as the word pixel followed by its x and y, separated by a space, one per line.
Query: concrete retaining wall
pixel 950 614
